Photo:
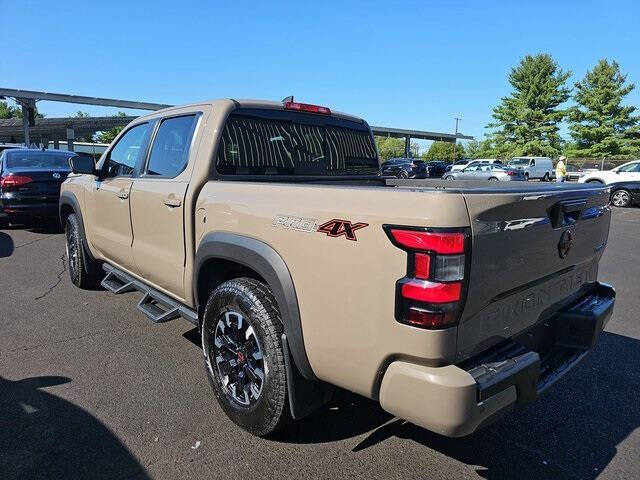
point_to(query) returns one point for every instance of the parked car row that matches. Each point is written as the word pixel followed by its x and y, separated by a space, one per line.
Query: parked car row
pixel 413 168
pixel 624 179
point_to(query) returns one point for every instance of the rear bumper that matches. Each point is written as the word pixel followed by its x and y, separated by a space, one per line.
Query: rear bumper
pixel 41 206
pixel 456 400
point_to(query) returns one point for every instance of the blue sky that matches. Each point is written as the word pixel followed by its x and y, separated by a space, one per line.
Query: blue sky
pixel 399 64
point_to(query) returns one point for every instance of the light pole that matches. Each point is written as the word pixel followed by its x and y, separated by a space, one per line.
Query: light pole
pixel 455 141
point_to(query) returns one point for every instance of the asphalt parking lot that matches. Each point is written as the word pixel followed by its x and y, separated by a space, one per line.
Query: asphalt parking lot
pixel 89 388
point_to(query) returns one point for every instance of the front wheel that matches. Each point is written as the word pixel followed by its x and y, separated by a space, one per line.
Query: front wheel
pixel 621 198
pixel 83 270
pixel 244 359
pixel 449 177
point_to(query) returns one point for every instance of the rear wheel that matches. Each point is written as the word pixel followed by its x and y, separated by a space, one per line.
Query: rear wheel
pixel 449 177
pixel 621 198
pixel 402 174
pixel 595 181
pixel 493 179
pixel 83 271
pixel 242 346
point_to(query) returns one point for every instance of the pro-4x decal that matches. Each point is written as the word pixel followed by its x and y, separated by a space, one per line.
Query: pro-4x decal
pixel 338 227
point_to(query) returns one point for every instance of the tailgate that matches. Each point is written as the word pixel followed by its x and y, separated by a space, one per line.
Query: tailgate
pixel 532 253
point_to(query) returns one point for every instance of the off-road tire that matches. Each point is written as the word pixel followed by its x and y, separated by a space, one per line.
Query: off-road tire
pixel 83 270
pixel 255 302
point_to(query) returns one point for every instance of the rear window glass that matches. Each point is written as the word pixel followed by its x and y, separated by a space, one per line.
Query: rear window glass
pixel 275 142
pixel 25 159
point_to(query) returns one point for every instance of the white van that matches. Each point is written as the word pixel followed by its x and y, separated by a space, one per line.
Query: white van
pixel 534 167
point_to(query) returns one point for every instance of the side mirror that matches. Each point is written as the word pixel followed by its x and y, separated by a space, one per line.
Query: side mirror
pixel 83 164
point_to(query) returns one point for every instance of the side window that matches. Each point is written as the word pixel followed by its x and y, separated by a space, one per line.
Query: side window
pixel 532 163
pixel 125 154
pixel 170 149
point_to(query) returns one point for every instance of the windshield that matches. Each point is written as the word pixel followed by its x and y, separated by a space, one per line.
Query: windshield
pixel 28 159
pixel 520 161
pixel 275 142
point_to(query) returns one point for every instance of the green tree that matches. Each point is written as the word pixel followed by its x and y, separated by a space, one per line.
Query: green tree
pixel 482 149
pixel 390 147
pixel 600 124
pixel 81 114
pixel 109 135
pixel 472 148
pixel 526 121
pixel 8 111
pixel 444 151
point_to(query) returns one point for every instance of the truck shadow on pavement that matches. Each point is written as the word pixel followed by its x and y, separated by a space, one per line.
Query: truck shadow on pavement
pixel 45 436
pixel 570 432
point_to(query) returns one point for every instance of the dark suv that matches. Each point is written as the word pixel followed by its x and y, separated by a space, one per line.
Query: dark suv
pixel 405 168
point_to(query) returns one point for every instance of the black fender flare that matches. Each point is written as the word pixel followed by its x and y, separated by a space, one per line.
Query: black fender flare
pixel 264 260
pixel 69 199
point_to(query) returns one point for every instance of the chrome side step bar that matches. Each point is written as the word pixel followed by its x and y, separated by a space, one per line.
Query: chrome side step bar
pixel 154 304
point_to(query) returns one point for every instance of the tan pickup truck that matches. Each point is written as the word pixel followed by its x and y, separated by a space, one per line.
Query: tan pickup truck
pixel 268 226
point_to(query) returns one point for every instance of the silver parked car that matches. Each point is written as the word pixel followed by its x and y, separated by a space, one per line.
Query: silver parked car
pixel 486 171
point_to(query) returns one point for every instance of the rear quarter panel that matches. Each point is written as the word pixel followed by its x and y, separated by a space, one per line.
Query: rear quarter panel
pixel 345 289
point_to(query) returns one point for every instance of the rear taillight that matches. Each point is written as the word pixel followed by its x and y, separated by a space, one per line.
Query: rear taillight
pixel 306 107
pixel 431 294
pixel 511 173
pixel 14 181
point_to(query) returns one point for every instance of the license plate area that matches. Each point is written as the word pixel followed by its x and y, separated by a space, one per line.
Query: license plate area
pixel 536 358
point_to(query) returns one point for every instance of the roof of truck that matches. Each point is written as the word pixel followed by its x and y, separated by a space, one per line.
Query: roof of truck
pixel 249 103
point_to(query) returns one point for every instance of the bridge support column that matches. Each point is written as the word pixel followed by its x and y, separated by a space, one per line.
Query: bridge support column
pixel 71 135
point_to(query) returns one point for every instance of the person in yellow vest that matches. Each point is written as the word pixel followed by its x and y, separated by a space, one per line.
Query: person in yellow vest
pixel 561 170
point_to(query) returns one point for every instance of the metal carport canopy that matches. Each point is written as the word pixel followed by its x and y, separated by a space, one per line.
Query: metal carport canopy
pixel 420 134
pixel 61 97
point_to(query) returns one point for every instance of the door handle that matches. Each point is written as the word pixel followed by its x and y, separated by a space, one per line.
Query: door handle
pixel 123 194
pixel 172 202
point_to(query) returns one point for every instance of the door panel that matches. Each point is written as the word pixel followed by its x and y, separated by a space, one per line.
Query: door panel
pixel 157 206
pixel 109 216
pixel 157 215
pixel 111 224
